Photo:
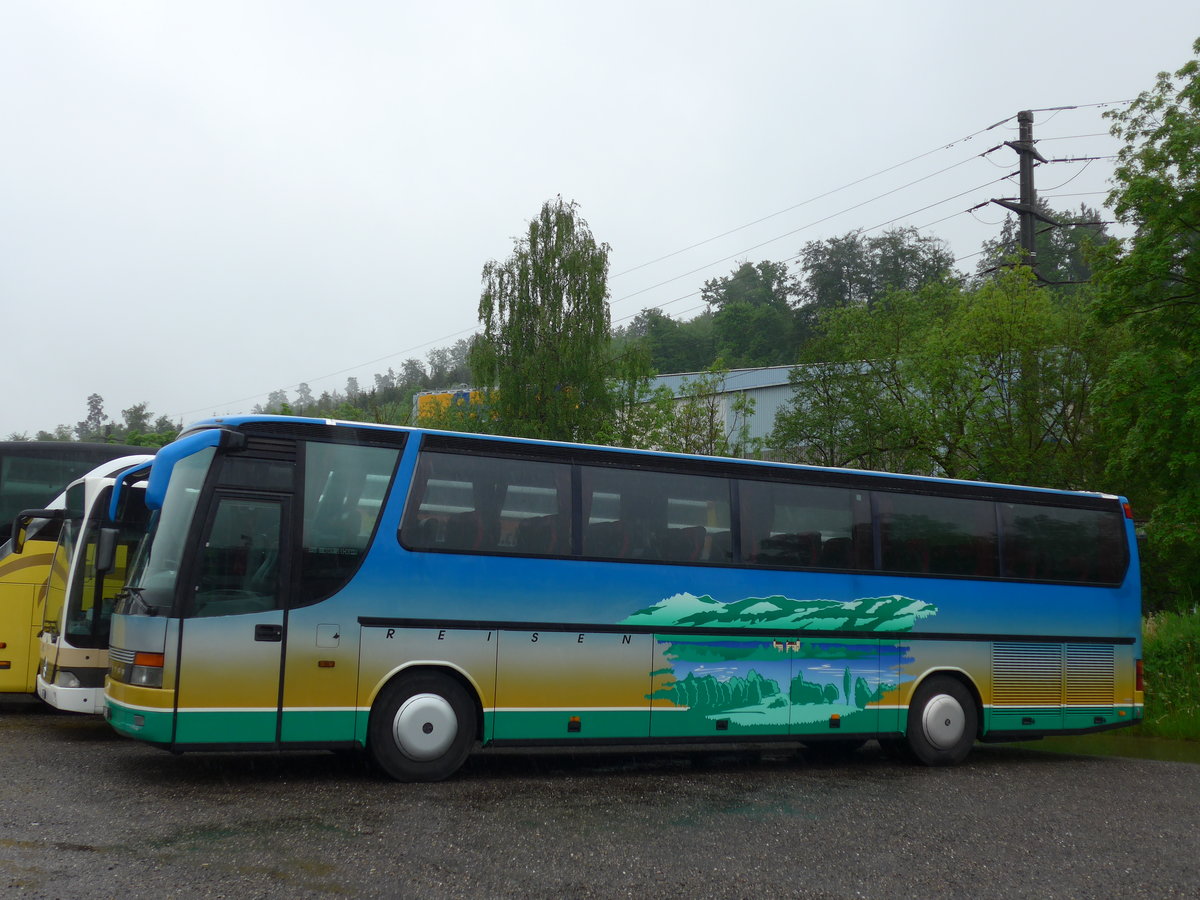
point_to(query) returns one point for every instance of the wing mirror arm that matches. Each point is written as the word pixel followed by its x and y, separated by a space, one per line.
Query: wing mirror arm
pixel 27 517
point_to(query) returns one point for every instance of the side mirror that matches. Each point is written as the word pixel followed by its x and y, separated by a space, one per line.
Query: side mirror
pixel 25 518
pixel 106 550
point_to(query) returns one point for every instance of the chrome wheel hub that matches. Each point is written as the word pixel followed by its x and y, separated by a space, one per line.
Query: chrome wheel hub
pixel 424 727
pixel 943 721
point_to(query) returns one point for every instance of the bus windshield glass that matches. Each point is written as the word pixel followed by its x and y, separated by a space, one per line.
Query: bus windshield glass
pixel 93 592
pixel 156 568
pixel 56 584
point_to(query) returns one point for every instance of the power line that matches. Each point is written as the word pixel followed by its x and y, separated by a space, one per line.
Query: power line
pixel 828 193
pixel 796 256
pixel 1077 174
pixel 1081 106
pixel 939 148
pixel 1073 137
pixel 809 225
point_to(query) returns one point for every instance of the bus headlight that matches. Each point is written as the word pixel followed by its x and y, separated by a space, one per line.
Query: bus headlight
pixel 146 671
pixel 66 679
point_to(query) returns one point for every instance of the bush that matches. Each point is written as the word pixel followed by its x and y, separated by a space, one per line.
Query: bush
pixel 1171 652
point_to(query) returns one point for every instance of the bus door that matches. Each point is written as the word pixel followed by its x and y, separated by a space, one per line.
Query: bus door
pixel 232 637
pixel 345 486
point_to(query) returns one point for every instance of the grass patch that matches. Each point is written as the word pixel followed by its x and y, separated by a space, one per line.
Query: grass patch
pixel 1171 652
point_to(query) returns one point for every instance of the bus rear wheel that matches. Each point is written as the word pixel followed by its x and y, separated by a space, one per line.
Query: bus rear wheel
pixel 942 722
pixel 422 727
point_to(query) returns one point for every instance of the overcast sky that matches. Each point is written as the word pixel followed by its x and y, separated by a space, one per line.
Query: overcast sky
pixel 203 202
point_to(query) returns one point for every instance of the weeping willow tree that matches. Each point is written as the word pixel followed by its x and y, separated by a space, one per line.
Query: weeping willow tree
pixel 544 351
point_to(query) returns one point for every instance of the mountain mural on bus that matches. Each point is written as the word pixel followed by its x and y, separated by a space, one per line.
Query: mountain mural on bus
pixel 771 684
pixel 891 613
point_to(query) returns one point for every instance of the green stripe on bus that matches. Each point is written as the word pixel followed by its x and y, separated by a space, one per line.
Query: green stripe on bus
pixel 319 725
pixel 535 725
pixel 1058 718
pixel 226 726
pixel 143 724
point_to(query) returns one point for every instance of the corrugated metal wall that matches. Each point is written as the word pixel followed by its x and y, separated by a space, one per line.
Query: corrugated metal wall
pixel 768 387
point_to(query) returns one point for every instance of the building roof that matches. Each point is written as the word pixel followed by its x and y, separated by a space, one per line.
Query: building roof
pixel 735 379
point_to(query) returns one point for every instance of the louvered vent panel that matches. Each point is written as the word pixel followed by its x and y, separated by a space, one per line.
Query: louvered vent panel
pixel 1091 675
pixel 1026 674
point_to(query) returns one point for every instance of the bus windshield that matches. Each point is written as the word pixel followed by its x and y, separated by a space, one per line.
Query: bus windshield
pixel 152 578
pixel 92 592
pixel 56 584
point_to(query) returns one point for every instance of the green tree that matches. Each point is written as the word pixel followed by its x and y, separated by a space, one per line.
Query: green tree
pixel 413 374
pixel 853 270
pixel 752 315
pixel 60 433
pixel 304 397
pixel 137 417
pixel 857 399
pixel 672 346
pixel 1150 283
pixel 449 366
pixel 545 340
pixel 93 427
pixel 704 419
pixel 1063 252
pixel 994 382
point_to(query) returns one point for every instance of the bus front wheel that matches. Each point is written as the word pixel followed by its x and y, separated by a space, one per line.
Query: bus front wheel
pixel 422 727
pixel 942 722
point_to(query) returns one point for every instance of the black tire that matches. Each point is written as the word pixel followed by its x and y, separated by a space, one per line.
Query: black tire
pixel 942 722
pixel 422 727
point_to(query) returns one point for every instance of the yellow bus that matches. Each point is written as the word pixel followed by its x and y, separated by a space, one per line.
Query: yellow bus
pixel 33 475
pixel 87 573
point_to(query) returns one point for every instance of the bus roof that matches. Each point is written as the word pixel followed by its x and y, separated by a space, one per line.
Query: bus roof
pixel 236 422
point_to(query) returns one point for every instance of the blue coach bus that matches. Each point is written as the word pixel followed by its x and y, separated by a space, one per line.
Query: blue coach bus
pixel 308 583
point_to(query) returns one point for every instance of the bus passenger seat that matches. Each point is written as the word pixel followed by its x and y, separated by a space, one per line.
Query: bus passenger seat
pixel 835 553
pixel 720 547
pixel 429 532
pixel 464 531
pixel 606 539
pixel 684 544
pixel 539 535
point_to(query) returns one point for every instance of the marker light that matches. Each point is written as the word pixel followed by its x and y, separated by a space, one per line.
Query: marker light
pixel 147 670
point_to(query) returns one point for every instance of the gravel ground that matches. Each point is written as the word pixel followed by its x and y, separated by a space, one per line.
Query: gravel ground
pixel 85 813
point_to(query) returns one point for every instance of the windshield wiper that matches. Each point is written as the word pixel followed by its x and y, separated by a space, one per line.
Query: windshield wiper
pixel 131 593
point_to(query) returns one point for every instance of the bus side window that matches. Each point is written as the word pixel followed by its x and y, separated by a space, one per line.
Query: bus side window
pixel 239 568
pixel 345 487
pixel 924 534
pixel 482 504
pixel 654 516
pixel 804 526
pixel 604 534
pixel 1044 543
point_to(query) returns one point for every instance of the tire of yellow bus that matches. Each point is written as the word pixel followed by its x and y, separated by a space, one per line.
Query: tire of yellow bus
pixel 422 727
pixel 942 722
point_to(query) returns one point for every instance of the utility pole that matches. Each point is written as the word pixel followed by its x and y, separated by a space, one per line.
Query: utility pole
pixel 1026 206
